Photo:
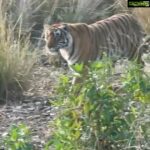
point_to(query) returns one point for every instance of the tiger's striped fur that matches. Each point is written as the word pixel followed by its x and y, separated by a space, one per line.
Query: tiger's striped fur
pixel 117 36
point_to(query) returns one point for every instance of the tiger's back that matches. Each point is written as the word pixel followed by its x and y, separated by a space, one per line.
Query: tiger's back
pixel 122 36
pixel 118 36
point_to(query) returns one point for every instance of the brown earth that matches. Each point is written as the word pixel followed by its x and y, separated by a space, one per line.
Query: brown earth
pixel 34 109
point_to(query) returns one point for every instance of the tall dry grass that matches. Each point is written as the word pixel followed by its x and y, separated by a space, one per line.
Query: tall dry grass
pixel 16 57
pixel 38 11
pixel 80 10
pixel 142 14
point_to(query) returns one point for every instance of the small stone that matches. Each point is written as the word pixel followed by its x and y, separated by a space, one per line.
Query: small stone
pixel 33 117
pixel 31 109
pixel 18 107
pixel 38 103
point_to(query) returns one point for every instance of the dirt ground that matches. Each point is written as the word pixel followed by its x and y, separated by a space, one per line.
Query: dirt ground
pixel 34 108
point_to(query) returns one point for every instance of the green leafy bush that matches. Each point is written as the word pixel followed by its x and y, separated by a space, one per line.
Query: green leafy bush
pixel 104 111
pixel 18 138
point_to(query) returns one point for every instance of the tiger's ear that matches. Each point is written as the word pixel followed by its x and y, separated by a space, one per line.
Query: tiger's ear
pixel 46 27
pixel 65 27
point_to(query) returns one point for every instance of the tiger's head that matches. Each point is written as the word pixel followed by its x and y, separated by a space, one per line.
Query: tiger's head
pixel 57 37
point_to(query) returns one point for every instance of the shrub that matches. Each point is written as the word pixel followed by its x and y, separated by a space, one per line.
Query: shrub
pixel 105 113
pixel 18 138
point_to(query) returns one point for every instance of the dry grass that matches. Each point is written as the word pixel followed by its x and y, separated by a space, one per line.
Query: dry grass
pixel 142 14
pixel 87 10
pixel 16 59
pixel 77 10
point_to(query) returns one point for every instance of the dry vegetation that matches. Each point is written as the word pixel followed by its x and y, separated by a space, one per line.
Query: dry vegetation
pixel 144 17
pixel 16 58
pixel 141 13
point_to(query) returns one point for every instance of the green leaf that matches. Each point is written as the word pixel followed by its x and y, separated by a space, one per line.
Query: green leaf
pixel 97 65
pixel 77 67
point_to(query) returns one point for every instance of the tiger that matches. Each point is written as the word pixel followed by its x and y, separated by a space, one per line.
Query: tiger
pixel 119 36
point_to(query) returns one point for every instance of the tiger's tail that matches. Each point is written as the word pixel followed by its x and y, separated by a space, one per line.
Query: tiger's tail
pixel 143 48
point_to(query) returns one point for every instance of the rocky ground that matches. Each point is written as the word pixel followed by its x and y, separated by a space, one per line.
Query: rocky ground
pixel 34 109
